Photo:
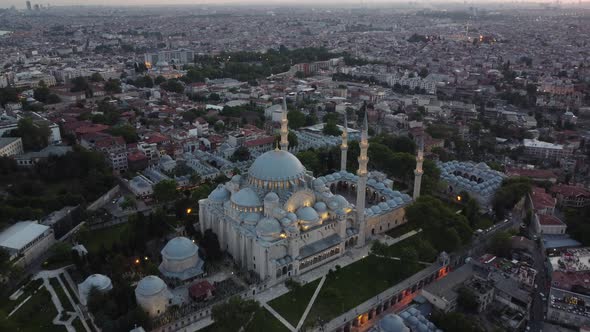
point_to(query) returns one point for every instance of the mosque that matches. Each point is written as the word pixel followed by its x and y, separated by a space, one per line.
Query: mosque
pixel 279 221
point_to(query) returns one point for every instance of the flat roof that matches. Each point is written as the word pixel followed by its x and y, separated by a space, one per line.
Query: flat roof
pixel 20 234
pixel 4 141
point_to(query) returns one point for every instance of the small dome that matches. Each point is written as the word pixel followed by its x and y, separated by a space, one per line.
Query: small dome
pixel 268 228
pixel 250 218
pixel 320 207
pixel 246 197
pixel 292 216
pixel 271 197
pixel 318 183
pixel 236 178
pixel 98 281
pixel 149 286
pixel 276 165
pixel 308 214
pixel 392 323
pixel 220 194
pixel 179 248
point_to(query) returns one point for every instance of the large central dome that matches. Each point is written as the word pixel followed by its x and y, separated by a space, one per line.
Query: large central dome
pixel 277 165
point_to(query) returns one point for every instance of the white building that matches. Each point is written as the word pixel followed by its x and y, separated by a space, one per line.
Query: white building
pixel 141 186
pixel 548 224
pixel 11 146
pixel 153 296
pixel 545 150
pixel 180 259
pixel 98 282
pixel 26 240
pixel 279 221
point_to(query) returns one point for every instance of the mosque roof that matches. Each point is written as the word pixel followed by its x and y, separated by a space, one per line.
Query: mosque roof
pixel 246 197
pixel 179 248
pixel 392 323
pixel 150 285
pixel 276 165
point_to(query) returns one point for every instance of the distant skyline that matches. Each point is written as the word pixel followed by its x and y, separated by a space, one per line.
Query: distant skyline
pixel 22 3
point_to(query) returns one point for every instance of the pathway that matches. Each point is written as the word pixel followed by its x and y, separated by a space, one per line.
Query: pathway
pixel 279 317
pixel 310 304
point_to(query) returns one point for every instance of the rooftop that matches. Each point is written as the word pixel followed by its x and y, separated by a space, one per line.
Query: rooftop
pixel 20 234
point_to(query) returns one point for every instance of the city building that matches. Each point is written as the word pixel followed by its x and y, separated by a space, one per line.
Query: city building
pixel 477 180
pixel 180 259
pixel 544 150
pixel 26 240
pixel 11 146
pixel 569 196
pixel 153 296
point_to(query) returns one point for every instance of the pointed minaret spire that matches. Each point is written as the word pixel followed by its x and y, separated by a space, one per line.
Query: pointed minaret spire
pixel 284 126
pixel 344 145
pixel 362 173
pixel 418 171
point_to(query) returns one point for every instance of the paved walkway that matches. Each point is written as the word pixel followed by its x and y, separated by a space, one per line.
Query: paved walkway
pixel 279 317
pixel 310 304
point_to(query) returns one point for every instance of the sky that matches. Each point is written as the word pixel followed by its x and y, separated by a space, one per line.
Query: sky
pixel 21 3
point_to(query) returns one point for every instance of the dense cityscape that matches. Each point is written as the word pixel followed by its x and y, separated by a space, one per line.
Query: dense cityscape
pixel 364 167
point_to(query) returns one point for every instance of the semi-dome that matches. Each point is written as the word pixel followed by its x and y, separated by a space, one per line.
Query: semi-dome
pixel 219 194
pixel 149 286
pixel 246 197
pixel 320 207
pixel 99 282
pixel 179 248
pixel 392 323
pixel 268 228
pixel 276 165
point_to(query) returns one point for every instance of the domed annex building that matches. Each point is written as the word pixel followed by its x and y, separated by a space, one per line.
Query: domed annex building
pixel 279 221
pixel 153 296
pixel 99 282
pixel 180 259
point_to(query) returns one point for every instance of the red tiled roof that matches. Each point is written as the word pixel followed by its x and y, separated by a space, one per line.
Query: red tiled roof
pixel 156 138
pixel 201 288
pixel 548 220
pixel 532 173
pixel 92 128
pixel 259 141
pixel 565 280
pixel 541 199
pixel 136 156
pixel 570 191
pixel 110 141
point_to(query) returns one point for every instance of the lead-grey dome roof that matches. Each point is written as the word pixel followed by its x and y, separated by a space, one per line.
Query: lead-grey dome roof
pixel 268 228
pixel 179 248
pixel 150 285
pixel 392 323
pixel 219 194
pixel 246 197
pixel 276 165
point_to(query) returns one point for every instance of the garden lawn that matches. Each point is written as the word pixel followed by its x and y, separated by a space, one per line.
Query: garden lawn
pixel 292 305
pixel 61 294
pixel 77 324
pixel 37 314
pixel 264 321
pixel 106 236
pixel 352 285
pixel 418 243
pixel 401 230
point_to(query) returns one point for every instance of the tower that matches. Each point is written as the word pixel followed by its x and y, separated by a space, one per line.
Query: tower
pixel 344 146
pixel 284 126
pixel 418 171
pixel 362 183
pixel 29 5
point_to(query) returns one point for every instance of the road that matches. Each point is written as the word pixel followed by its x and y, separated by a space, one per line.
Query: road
pixel 538 306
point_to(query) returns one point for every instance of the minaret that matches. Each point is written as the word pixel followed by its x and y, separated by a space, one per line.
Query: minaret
pixel 418 171
pixel 284 126
pixel 344 146
pixel 362 183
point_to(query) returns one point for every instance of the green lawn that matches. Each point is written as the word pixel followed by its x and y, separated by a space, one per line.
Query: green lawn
pixel 401 230
pixel 36 315
pixel 106 236
pixel 77 324
pixel 292 305
pixel 264 321
pixel 7 305
pixel 417 243
pixel 346 288
pixel 61 294
pixel 72 294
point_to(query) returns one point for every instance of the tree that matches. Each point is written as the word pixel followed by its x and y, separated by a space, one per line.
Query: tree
pixel 456 322
pixel 423 72
pixel 467 300
pixel 331 128
pixel 296 119
pixel 234 314
pixel 79 84
pixel 291 137
pixel 500 244
pixel 310 160
pixel 165 191
pixel 96 77
pixel 172 86
pixel 42 92
pixel 241 154
pixel 127 132
pixel 210 245
pixel 113 86
pixel 299 74
pixel 34 136
pixel 52 98
pixel 159 80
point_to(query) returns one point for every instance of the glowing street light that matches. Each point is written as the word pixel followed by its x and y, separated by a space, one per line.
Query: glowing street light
pixel 189 210
pixel 137 261
pixel 459 198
